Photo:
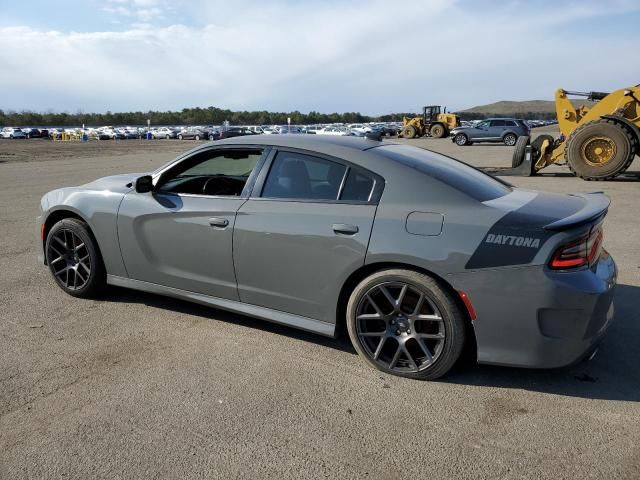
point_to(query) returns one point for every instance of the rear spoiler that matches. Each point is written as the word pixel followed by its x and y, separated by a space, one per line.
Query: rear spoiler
pixel 595 207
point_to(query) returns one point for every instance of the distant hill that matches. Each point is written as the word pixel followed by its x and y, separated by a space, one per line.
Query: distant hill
pixel 529 109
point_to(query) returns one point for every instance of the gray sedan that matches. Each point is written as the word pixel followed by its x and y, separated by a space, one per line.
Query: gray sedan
pixel 418 256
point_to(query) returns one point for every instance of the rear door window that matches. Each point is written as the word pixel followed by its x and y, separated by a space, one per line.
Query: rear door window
pixel 298 176
pixel 358 187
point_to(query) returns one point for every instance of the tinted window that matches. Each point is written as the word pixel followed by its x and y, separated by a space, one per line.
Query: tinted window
pixel 452 172
pixel 358 186
pixel 293 175
pixel 498 123
pixel 510 123
pixel 219 173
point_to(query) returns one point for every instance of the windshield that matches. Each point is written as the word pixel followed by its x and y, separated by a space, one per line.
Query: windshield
pixel 454 173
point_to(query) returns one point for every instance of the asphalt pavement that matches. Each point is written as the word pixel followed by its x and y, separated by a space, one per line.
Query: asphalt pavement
pixel 140 386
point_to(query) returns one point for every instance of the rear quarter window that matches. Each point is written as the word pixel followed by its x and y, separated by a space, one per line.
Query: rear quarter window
pixel 452 172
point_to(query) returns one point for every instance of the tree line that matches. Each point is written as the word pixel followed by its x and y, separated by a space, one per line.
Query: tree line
pixel 215 116
pixel 187 116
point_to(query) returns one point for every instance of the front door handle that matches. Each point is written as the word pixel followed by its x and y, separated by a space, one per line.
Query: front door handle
pixel 345 229
pixel 218 222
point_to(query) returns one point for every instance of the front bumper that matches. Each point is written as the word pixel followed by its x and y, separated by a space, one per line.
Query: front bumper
pixel 538 318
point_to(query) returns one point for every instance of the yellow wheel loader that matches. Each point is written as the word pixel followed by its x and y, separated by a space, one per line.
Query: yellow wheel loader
pixel 597 142
pixel 432 122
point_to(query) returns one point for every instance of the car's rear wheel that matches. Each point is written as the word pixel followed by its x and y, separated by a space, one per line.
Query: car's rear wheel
pixel 179 137
pixel 461 139
pixel 197 137
pixel 405 323
pixel 168 137
pixel 510 139
pixel 74 260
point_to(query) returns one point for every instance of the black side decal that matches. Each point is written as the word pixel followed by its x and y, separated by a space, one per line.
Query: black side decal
pixel 516 238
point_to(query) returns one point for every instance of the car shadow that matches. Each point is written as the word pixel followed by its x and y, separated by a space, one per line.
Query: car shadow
pixel 613 374
pixel 123 295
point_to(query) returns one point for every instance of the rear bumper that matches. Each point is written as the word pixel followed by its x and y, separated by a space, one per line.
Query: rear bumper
pixel 537 318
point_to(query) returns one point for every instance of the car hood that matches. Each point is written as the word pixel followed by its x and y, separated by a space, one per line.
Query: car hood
pixel 115 183
pixel 464 129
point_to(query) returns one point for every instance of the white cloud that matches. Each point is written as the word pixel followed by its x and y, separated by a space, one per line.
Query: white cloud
pixel 365 56
pixel 143 10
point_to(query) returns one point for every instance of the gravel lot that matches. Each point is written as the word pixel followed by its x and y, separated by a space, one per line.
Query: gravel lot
pixel 140 386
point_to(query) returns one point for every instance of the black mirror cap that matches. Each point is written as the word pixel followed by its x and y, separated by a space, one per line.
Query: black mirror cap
pixel 144 184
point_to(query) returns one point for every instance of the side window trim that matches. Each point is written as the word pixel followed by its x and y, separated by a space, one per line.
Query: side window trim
pixel 374 195
pixel 343 182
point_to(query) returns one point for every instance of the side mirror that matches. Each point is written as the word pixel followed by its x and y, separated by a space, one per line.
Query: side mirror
pixel 144 184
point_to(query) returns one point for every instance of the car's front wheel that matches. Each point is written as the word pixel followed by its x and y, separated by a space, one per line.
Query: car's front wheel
pixel 197 137
pixel 510 139
pixel 405 323
pixel 461 139
pixel 179 137
pixel 74 259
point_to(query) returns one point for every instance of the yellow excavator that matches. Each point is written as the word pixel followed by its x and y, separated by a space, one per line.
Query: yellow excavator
pixel 597 142
pixel 432 122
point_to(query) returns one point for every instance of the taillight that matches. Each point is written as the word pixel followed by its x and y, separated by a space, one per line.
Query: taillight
pixel 578 253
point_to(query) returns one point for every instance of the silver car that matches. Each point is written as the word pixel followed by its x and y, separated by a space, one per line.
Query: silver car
pixel 417 255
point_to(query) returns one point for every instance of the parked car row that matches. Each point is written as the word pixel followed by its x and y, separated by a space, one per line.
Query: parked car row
pixel 197 132
pixel 497 130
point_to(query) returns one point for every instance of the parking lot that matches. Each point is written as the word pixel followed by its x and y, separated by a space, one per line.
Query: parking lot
pixel 140 386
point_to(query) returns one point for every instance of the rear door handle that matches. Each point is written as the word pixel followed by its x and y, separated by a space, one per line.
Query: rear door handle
pixel 345 229
pixel 218 222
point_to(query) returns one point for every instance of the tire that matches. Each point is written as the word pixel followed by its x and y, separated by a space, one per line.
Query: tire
pixel 584 140
pixel 86 281
pixel 179 137
pixel 510 139
pixel 409 132
pixel 168 137
pixel 196 138
pixel 518 153
pixel 443 338
pixel 437 131
pixel 461 139
pixel 536 146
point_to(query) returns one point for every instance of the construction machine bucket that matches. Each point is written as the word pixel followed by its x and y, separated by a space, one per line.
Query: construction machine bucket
pixel 526 168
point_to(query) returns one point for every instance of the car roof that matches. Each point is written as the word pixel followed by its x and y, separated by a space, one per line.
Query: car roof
pixel 307 142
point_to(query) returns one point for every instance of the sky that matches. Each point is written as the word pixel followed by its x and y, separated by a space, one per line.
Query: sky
pixel 370 56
